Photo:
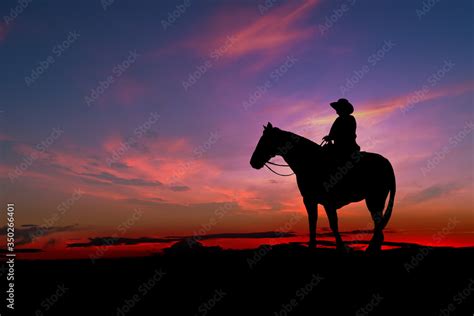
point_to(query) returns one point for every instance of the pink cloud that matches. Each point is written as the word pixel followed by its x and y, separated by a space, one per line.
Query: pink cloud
pixel 4 29
pixel 129 91
pixel 373 111
pixel 273 31
pixel 241 34
pixel 169 163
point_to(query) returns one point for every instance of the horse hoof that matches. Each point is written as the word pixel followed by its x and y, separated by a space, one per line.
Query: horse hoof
pixel 373 249
pixel 343 248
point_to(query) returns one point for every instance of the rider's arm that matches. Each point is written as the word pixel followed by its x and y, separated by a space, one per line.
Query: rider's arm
pixel 334 129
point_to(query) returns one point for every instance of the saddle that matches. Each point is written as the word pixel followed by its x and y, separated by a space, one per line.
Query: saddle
pixel 337 156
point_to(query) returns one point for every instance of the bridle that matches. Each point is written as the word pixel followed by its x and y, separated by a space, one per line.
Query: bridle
pixel 279 165
pixel 287 166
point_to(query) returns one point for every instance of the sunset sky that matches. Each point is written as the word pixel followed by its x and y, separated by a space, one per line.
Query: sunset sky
pixel 139 120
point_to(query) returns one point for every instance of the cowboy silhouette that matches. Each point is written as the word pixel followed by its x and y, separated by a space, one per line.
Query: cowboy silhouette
pixel 343 130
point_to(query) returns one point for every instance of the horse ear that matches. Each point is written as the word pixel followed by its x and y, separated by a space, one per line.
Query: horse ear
pixel 269 125
pixel 264 127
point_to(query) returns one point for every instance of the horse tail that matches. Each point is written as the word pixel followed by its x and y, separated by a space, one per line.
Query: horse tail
pixel 393 188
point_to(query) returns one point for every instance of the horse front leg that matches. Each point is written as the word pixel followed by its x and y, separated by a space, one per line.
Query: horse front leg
pixel 312 209
pixel 333 223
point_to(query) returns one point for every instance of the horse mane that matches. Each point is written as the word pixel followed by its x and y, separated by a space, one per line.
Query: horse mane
pixel 303 141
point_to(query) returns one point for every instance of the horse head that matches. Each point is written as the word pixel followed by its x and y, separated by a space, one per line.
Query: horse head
pixel 267 147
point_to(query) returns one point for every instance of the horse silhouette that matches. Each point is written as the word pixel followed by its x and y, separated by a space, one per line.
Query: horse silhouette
pixel 333 183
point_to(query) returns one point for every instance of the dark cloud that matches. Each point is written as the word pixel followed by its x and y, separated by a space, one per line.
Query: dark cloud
pixel 145 202
pixel 328 232
pixel 59 167
pixel 431 192
pixel 110 178
pixel 93 163
pixel 23 250
pixel 140 147
pixel 270 234
pixel 213 205
pixel 50 243
pixel 26 233
pixel 119 165
pixel 152 134
pixel 10 156
pixel 114 241
pixel 92 181
pixel 179 188
pixel 366 242
pixel 276 206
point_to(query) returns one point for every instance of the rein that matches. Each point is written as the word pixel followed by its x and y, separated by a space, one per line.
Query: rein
pixel 279 165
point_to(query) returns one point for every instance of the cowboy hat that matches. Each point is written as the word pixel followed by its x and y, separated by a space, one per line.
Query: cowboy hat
pixel 343 106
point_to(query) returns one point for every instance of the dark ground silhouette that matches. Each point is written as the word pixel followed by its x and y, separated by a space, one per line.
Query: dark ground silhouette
pixel 286 279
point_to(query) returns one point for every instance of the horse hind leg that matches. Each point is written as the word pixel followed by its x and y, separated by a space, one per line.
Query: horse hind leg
pixel 376 207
